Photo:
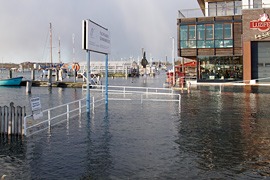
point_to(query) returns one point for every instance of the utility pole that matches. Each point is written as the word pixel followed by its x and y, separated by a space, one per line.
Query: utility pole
pixel 173 58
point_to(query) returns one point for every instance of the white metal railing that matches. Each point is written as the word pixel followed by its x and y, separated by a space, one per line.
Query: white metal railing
pixel 53 114
pixel 147 98
pixel 130 89
pixel 128 93
pixel 223 10
pixel 64 112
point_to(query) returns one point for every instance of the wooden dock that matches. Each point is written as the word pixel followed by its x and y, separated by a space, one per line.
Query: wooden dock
pixel 55 84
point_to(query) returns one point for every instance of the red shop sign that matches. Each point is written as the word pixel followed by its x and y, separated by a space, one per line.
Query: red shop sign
pixel 262 24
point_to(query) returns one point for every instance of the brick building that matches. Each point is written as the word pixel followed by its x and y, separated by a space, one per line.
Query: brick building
pixel 230 42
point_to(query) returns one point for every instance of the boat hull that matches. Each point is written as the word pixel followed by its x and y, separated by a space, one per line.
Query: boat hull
pixel 11 82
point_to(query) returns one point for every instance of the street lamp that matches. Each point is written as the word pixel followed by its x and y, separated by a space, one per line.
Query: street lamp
pixel 173 60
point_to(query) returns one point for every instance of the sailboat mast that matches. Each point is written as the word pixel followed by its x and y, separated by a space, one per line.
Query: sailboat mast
pixel 73 41
pixel 59 53
pixel 51 41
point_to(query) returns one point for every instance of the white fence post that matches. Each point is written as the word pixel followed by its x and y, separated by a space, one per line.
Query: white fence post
pixel 67 111
pixel 80 106
pixel 24 126
pixel 93 104
pixel 49 118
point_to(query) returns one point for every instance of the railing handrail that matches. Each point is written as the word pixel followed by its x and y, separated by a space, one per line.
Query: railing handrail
pixel 189 13
pixel 125 88
pixel 52 118
pixel 68 110
pixel 63 105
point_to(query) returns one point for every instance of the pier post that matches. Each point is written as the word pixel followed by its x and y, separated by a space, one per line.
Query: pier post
pixel 126 72
pixel 57 75
pixel 50 77
pixel 33 74
pixel 28 86
pixel 87 82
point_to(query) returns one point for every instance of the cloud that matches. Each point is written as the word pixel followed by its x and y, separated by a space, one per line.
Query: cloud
pixel 133 24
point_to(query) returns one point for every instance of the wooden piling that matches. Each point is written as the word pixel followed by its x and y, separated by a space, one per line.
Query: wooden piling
pixel 11 120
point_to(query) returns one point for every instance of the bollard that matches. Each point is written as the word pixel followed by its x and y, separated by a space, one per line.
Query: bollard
pixel 28 86
pixel 50 77
pixel 189 86
pixel 33 75
pixel 126 72
pixel 57 75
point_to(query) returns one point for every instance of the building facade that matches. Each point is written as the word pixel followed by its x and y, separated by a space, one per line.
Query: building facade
pixel 231 42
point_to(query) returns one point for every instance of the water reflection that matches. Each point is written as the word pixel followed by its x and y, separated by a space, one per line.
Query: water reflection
pixel 218 133
pixel 228 131
pixel 12 156
pixel 98 160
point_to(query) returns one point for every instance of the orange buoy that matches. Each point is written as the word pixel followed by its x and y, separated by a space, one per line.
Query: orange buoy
pixel 76 66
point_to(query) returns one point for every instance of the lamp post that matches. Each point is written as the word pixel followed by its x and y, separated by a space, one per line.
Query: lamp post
pixel 173 60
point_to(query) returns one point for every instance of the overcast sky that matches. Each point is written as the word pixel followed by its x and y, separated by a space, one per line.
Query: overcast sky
pixel 133 25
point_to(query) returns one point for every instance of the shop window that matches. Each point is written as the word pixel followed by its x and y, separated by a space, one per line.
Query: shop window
pixel 220 68
pixel 257 3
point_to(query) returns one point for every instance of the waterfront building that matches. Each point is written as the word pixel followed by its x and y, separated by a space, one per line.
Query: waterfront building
pixel 230 40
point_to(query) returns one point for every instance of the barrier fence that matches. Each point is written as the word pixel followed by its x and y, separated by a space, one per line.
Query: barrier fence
pixel 11 119
pixel 64 112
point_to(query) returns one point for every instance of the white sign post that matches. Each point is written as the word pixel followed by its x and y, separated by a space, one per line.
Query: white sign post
pixel 36 108
pixel 97 39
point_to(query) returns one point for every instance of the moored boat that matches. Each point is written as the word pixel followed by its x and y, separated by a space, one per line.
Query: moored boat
pixel 11 81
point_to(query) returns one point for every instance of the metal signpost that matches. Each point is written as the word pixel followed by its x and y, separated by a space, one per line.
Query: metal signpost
pixel 95 38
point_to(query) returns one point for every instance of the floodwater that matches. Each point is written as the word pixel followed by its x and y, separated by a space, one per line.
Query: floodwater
pixel 218 133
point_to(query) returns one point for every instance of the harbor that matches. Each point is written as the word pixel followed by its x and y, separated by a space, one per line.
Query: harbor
pixel 216 133
pixel 100 98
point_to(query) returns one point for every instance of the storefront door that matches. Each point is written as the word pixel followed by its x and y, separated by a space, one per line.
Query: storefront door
pixel 260 63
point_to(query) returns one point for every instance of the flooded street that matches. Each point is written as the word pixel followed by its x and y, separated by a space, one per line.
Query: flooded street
pixel 218 133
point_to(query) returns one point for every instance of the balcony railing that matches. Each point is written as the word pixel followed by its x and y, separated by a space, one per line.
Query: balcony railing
pixel 222 11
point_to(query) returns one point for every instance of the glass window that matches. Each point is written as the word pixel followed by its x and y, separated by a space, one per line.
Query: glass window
pixel 200 32
pixel 184 44
pixel 209 44
pixel 218 31
pixel 230 8
pixel 227 31
pixel 184 32
pixel 238 8
pixel 209 31
pixel 201 44
pixel 192 44
pixel 221 9
pixel 212 9
pixel 192 32
pixel 219 43
pixel 257 3
pixel 228 43
pixel 220 68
